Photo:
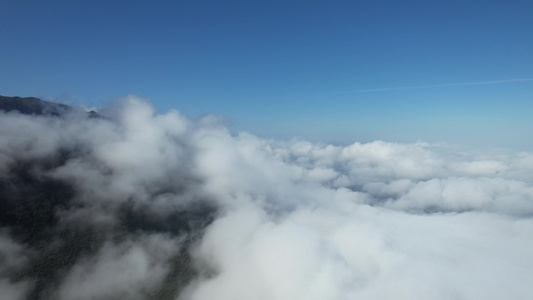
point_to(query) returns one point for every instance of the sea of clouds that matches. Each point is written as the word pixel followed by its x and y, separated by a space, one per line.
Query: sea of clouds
pixel 289 219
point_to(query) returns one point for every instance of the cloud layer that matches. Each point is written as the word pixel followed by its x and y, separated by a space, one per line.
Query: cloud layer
pixel 141 205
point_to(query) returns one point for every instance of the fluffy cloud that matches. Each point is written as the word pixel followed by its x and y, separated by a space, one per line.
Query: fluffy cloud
pixel 163 207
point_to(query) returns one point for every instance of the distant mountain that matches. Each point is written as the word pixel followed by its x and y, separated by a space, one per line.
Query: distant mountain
pixel 36 106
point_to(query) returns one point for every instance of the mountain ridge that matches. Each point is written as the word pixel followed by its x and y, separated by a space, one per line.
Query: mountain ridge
pixel 36 106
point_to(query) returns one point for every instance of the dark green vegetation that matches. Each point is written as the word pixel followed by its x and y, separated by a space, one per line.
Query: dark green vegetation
pixel 32 206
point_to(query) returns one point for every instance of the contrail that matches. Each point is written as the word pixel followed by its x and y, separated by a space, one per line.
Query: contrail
pixel 445 85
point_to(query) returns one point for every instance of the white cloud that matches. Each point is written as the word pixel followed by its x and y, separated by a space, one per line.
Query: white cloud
pixel 466 194
pixel 294 219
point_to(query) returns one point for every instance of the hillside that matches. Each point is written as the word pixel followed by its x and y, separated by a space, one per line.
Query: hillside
pixel 36 210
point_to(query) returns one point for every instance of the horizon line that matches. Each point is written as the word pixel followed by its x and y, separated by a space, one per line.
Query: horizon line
pixel 445 85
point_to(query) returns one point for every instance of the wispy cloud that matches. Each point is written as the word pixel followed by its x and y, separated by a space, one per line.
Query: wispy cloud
pixel 445 85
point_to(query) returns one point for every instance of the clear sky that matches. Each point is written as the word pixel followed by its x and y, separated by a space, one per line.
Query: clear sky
pixel 459 72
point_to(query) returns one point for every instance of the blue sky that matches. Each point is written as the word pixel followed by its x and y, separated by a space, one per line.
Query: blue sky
pixel 283 69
